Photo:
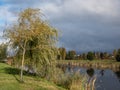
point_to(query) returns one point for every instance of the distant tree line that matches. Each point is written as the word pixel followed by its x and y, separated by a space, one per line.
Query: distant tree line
pixel 72 55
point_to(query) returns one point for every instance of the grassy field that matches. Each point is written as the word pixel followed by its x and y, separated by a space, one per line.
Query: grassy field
pixel 9 80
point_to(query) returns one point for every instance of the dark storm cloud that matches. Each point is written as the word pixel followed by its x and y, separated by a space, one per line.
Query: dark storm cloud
pixel 89 32
pixel 85 24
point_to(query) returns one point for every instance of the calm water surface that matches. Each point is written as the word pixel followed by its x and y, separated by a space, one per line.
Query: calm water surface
pixel 106 78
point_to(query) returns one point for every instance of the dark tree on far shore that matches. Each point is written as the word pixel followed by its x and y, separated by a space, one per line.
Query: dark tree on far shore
pixel 118 55
pixel 90 56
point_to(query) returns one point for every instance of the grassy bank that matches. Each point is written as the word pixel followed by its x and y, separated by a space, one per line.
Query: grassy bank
pixel 88 61
pixel 112 64
pixel 9 80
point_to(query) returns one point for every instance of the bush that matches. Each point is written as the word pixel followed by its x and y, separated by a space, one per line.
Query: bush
pixel 90 56
pixel 118 55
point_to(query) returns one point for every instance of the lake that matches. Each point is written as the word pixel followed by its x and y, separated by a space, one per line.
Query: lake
pixel 106 79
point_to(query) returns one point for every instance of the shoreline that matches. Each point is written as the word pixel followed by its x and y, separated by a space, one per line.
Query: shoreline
pixel 113 65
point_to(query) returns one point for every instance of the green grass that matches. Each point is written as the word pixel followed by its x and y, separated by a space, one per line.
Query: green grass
pixel 9 80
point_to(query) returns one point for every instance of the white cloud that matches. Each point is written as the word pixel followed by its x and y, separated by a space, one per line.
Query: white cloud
pixel 77 7
pixel 60 8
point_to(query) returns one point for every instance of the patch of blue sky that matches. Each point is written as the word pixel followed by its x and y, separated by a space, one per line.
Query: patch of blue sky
pixel 2 21
pixel 1 3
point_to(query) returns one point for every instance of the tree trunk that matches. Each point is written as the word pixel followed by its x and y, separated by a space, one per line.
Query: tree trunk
pixel 22 66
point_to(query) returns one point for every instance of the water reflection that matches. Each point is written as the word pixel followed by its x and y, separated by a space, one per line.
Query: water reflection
pixel 106 79
pixel 118 74
pixel 90 72
pixel 91 79
pixel 102 72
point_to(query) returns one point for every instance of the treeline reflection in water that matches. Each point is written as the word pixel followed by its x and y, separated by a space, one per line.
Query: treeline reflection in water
pixel 104 79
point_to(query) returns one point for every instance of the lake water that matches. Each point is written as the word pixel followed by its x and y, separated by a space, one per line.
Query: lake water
pixel 106 78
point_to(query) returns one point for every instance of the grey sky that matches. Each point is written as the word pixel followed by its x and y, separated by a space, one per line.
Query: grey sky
pixel 85 24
